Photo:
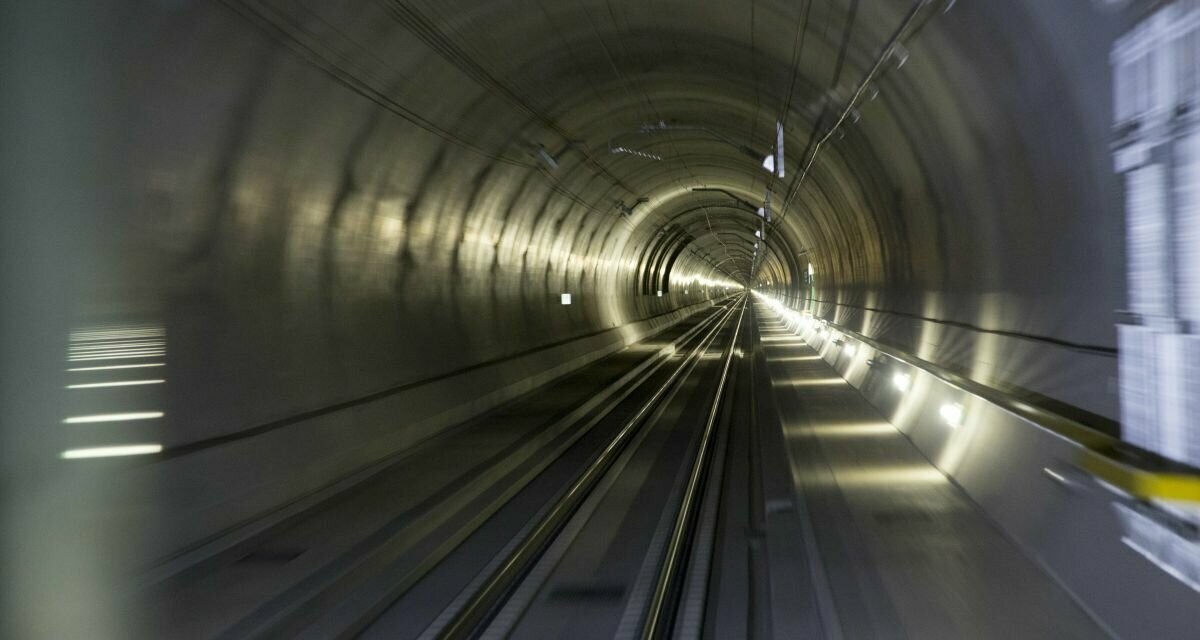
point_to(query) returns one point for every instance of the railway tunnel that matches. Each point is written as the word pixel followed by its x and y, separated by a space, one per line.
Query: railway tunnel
pixel 719 319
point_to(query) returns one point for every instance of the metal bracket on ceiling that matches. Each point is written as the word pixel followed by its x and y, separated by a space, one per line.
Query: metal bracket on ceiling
pixel 633 152
pixel 731 194
pixel 627 210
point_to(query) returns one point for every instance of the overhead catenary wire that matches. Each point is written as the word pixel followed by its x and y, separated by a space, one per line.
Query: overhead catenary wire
pixel 429 33
pixel 640 97
pixel 818 141
pixel 654 114
pixel 278 27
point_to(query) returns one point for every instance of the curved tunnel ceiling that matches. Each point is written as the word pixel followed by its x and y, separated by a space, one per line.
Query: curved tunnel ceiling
pixel 353 170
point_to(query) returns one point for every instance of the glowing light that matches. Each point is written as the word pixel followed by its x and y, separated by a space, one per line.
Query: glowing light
pixel 818 382
pixel 119 366
pixel 119 383
pixel 566 298
pixel 768 163
pixel 98 352
pixel 851 349
pixel 110 452
pixel 104 345
pixel 660 293
pixel 901 381
pixel 116 357
pixel 115 417
pixel 891 476
pixel 952 414
pixel 854 430
pixel 110 334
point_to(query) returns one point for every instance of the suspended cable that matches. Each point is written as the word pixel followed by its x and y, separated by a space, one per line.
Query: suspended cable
pixel 274 25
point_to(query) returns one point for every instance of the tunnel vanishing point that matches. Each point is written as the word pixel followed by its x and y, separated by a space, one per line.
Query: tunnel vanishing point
pixel 574 319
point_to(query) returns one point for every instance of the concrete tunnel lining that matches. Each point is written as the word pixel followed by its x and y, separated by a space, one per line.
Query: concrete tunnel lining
pixel 314 246
pixel 320 203
pixel 951 211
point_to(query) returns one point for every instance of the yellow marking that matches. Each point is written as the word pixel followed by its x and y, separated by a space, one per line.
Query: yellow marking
pixel 1174 486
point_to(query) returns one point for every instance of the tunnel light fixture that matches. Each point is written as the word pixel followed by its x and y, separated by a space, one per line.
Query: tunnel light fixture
pixel 117 356
pixel 634 152
pixel 90 335
pixel 110 452
pixel 768 163
pixel 901 381
pixel 116 383
pixel 116 346
pixel 660 293
pixel 779 164
pixel 952 413
pixel 112 350
pixel 851 349
pixel 119 366
pixel 114 417
pixel 546 158
pixel 566 298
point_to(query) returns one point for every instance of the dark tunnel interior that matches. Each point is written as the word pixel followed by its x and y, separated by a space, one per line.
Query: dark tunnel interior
pixel 342 230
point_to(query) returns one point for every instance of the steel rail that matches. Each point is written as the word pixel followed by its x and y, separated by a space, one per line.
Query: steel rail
pixel 657 620
pixel 475 613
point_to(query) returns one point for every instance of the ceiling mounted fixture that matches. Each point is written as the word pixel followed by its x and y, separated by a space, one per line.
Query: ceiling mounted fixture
pixel 627 210
pixel 633 152
pixel 663 126
pixel 546 158
pixel 779 164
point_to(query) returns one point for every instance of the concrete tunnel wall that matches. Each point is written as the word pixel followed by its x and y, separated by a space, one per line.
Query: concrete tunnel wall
pixel 313 245
pixel 322 202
